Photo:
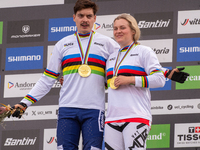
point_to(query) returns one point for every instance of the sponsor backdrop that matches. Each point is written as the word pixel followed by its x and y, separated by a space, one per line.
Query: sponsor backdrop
pixel 30 29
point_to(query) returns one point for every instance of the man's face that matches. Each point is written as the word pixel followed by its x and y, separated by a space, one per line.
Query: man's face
pixel 84 20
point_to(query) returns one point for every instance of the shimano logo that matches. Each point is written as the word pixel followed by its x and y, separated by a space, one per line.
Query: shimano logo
pixel 195 21
pixel 63 29
pixel 161 51
pixel 189 49
pixel 21 142
pixel 154 24
pixel 98 44
pixel 24 58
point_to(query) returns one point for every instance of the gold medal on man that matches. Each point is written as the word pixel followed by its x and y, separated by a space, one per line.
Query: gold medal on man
pixel 112 83
pixel 84 70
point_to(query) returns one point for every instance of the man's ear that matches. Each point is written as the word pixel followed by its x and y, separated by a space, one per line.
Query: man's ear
pixel 95 17
pixel 74 16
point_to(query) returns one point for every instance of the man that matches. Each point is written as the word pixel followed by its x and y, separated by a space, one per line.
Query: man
pixel 82 58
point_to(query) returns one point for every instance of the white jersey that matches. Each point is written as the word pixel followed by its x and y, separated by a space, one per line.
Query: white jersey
pixel 133 101
pixel 77 91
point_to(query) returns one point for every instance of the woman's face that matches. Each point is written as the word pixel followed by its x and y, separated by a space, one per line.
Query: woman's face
pixel 122 32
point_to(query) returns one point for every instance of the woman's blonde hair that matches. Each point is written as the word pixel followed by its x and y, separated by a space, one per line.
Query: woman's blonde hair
pixel 132 24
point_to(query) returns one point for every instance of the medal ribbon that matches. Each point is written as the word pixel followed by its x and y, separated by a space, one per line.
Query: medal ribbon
pixel 116 67
pixel 84 58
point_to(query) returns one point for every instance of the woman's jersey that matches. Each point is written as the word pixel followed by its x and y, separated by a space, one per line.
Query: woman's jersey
pixel 133 101
pixel 77 91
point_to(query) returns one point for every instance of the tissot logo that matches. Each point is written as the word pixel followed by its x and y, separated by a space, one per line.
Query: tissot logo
pixel 24 139
pixel 187 135
pixel 25 31
pixel 155 23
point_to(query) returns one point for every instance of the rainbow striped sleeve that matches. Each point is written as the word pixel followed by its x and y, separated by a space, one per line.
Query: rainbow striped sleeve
pixel 30 98
pixel 145 82
pixel 51 74
pixel 156 71
pixel 109 76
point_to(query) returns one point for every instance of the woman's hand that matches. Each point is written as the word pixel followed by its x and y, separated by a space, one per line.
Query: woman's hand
pixel 124 80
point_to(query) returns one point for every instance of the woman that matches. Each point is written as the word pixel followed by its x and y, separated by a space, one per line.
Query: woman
pixel 130 73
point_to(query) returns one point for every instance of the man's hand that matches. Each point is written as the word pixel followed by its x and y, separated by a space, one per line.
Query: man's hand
pixel 176 75
pixel 19 110
pixel 61 80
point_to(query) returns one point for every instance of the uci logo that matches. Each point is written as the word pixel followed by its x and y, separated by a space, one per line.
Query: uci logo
pixel 26 29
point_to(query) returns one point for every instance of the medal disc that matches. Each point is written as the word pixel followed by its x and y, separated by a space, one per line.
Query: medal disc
pixel 84 70
pixel 112 85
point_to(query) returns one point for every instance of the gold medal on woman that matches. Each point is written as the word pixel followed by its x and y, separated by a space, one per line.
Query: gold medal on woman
pixel 112 83
pixel 84 70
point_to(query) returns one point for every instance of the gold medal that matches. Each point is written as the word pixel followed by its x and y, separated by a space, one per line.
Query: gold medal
pixel 112 81
pixel 84 70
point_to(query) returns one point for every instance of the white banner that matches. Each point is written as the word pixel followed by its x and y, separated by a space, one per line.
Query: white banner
pixel 188 22
pixel 104 25
pixel 186 106
pixel 19 85
pixel 24 3
pixel 50 140
pixel 187 135
pixel 47 112
pixel 163 48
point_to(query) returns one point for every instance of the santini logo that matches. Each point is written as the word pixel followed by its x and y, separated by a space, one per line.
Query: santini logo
pixel 154 24
pixel 195 21
pixel 24 58
pixel 15 142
